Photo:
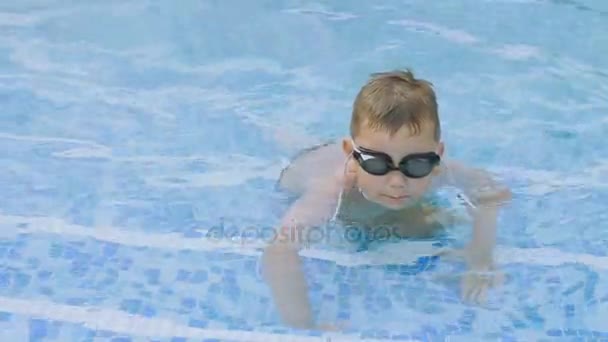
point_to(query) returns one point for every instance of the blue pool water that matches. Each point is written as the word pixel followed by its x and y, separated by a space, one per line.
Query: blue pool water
pixel 130 128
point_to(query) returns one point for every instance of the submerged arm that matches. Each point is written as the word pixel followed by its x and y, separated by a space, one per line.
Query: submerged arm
pixel 281 262
pixel 485 196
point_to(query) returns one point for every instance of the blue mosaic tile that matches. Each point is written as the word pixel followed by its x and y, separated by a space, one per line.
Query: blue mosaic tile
pixel 70 252
pixel 189 303
pixel 579 285
pixel 375 333
pixel 14 254
pixel 183 275
pixel 145 294
pixel 109 250
pixel 590 286
pixel 126 264
pixel 76 301
pixel 4 279
pixel 121 339
pixel 344 316
pixel 41 329
pixel 37 330
pixel 519 324
pixel 79 268
pixel 199 276
pixel 148 311
pixel 585 333
pixel 138 285
pixel 152 276
pixel 5 316
pixel 44 275
pixel 430 331
pixel 602 334
pixel 55 250
pixel 166 291
pixel 533 316
pixel 47 291
pixel 33 263
pixel 21 280
pixel 106 282
pixel 132 306
pixel 197 323
pixel 569 310
pixel 215 289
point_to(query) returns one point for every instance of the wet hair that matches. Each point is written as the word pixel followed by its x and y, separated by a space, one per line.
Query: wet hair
pixel 394 99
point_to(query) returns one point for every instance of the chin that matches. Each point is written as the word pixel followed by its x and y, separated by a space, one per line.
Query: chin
pixel 396 203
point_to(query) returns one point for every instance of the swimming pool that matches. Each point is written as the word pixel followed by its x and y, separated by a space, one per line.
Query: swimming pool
pixel 130 128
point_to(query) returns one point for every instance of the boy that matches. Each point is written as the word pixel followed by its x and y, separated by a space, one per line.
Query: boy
pixel 379 175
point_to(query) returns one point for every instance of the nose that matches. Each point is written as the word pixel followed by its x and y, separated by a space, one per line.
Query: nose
pixel 396 180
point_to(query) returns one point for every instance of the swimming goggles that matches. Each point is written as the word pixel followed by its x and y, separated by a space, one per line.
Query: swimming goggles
pixel 416 165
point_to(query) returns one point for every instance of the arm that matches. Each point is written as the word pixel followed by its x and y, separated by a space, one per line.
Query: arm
pixel 485 196
pixel 281 262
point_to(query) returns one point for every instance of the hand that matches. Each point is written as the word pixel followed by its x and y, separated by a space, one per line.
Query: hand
pixel 480 276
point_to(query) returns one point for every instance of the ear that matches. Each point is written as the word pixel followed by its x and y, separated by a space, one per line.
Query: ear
pixel 350 172
pixel 440 149
pixel 347 146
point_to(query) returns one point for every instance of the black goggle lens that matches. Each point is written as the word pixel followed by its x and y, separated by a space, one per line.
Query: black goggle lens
pixel 418 167
pixel 376 166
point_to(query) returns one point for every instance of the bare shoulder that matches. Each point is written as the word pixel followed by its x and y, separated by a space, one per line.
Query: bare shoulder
pixel 313 166
pixel 479 184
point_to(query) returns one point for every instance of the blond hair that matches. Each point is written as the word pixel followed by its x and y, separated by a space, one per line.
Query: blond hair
pixel 391 100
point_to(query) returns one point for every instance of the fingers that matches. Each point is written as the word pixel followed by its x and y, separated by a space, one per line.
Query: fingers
pixel 470 290
pixel 482 295
pixel 479 292
pixel 475 286
pixel 499 279
pixel 475 283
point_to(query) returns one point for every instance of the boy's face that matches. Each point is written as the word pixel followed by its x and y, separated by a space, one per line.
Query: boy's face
pixel 394 189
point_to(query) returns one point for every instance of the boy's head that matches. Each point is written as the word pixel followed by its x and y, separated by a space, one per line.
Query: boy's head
pixel 396 114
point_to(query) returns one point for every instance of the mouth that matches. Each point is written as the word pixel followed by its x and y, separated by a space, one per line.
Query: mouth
pixel 397 198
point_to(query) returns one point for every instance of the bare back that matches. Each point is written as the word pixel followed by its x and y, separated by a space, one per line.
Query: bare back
pixel 312 166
